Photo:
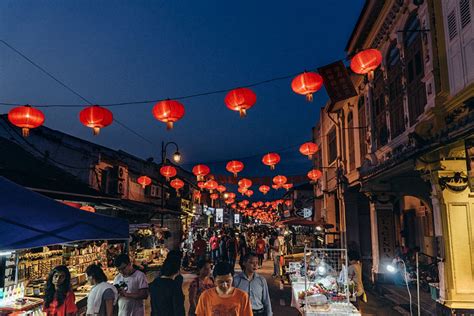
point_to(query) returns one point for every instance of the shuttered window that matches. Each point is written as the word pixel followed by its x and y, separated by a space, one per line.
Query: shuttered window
pixel 362 127
pixel 452 29
pixel 464 5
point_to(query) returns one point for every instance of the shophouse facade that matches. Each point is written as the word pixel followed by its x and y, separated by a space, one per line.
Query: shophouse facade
pixel 397 158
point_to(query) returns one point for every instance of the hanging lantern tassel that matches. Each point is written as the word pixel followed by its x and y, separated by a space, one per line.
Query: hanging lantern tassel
pixel 242 112
pixel 96 131
pixel 169 125
pixel 25 132
pixel 309 97
pixel 177 193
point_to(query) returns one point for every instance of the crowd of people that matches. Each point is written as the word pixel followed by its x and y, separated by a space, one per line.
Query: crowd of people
pixel 216 289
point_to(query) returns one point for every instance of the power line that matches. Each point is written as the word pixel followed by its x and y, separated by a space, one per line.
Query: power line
pixel 70 89
pixel 136 102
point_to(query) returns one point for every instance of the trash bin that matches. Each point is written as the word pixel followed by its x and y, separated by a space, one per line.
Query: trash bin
pixel 434 290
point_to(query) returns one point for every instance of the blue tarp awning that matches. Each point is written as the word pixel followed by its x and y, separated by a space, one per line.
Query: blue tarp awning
pixel 28 220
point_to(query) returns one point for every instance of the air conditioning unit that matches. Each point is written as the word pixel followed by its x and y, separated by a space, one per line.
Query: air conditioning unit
pixel 122 181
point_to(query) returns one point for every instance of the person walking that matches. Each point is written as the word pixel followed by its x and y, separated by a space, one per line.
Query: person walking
pixel 224 299
pixel 276 255
pixel 132 287
pixel 232 249
pixel 201 283
pixel 255 285
pixel 59 299
pixel 103 296
pixel 223 251
pixel 166 294
pixel 260 248
pixel 199 248
pixel 354 274
pixel 214 244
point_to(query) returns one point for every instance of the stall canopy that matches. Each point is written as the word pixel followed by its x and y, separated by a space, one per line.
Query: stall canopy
pixel 28 220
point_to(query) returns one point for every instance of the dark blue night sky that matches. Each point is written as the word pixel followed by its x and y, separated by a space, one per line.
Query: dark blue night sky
pixel 118 51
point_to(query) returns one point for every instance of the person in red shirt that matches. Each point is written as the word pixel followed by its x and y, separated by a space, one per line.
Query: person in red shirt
pixel 214 243
pixel 59 299
pixel 260 248
pixel 200 247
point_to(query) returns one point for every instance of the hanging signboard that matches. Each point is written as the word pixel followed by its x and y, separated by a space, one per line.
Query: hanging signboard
pixel 337 81
pixel 304 212
pixel 236 218
pixel 219 215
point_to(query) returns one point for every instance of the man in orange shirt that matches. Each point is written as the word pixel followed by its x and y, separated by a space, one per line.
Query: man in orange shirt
pixel 224 299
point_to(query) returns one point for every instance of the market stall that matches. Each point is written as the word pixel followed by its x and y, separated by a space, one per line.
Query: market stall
pixel 320 284
pixel 39 233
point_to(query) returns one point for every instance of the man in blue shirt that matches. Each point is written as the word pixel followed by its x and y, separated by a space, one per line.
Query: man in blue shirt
pixel 255 285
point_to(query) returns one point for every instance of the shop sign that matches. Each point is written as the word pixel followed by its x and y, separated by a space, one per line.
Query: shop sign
pixel 304 212
pixel 386 232
pixel 469 143
pixel 236 218
pixel 337 81
pixel 219 215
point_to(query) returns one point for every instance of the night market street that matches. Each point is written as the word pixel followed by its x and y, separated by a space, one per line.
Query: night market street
pixel 250 158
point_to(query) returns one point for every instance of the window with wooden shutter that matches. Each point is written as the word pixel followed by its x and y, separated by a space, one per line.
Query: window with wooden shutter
pixel 362 127
pixel 395 102
pixel 350 135
pixel 452 27
pixel 465 8
pixel 378 102
pixel 416 89
pixel 332 144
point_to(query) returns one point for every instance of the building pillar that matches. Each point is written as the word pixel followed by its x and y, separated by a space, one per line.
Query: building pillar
pixel 453 207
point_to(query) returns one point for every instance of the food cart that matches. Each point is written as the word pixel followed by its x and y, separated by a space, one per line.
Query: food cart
pixel 319 283
pixel 39 233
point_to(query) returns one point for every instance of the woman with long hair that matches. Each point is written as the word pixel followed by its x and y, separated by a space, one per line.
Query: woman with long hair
pixel 103 296
pixel 59 299
pixel 201 283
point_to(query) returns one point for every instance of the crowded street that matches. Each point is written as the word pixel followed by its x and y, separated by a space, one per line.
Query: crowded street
pixel 253 158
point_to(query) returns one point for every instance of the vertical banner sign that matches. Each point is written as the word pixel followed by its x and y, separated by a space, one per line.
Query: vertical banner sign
pixel 469 143
pixel 386 232
pixel 219 215
pixel 236 218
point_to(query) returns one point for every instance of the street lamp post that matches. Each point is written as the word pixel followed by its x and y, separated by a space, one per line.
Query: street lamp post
pixel 177 159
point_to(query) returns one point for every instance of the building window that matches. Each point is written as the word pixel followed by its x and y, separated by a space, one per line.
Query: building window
pixel 416 89
pixel 395 105
pixel 332 146
pixel 362 128
pixel 350 135
pixel 378 102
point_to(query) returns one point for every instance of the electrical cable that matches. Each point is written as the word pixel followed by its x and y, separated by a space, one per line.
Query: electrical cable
pixel 136 102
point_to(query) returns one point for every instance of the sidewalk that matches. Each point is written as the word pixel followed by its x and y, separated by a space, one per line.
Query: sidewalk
pixel 399 296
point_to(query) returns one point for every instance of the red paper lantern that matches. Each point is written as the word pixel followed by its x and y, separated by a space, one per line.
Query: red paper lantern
pixel 264 189
pixel 235 167
pixel 271 159
pixel 169 112
pixel 309 149
pixel 249 193
pixel 221 188
pixel 144 181
pixel 234 206
pixel 240 100
pixel 202 185
pixel 242 190
pixel 168 172
pixel 245 183
pixel 276 186
pixel 267 204
pixel 314 174
pixel 214 196
pixel 231 195
pixel 197 196
pixel 211 185
pixel 177 184
pixel 288 203
pixel 260 203
pixel 287 186
pixel 200 171
pixel 96 117
pixel 26 117
pixel 279 180
pixel 306 84
pixel 366 61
